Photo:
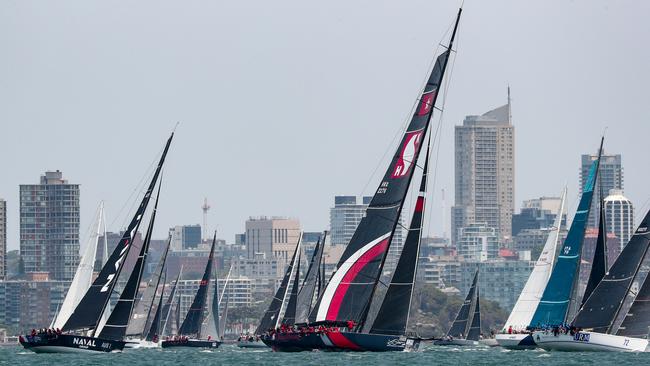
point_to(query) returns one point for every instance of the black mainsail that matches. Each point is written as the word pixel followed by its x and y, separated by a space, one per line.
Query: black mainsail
pixel 89 310
pixel 601 308
pixel 637 319
pixel 393 314
pixel 474 331
pixel 349 291
pixel 309 286
pixel 271 316
pixel 192 324
pixel 460 327
pixel 599 263
pixel 118 321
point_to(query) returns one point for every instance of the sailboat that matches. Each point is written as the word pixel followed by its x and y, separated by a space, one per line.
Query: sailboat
pixel 191 330
pixel 515 334
pixel 81 332
pixel 138 329
pixel 466 328
pixel 341 314
pixel 272 316
pixel 601 309
pixel 165 316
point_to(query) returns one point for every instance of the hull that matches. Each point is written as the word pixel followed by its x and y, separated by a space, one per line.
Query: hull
pixel 589 342
pixel 139 343
pixel 251 344
pixel 341 341
pixel 489 342
pixel 455 342
pixel 516 341
pixel 68 343
pixel 191 343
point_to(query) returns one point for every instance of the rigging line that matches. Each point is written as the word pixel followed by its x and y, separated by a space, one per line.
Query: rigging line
pixel 409 115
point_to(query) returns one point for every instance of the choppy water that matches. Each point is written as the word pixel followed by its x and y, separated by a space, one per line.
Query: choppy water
pixel 231 355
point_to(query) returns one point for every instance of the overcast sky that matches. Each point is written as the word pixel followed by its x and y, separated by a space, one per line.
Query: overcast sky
pixel 284 104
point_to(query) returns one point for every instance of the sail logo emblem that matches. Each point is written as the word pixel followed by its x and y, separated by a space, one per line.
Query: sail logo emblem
pixel 567 250
pixel 407 154
pixel 426 103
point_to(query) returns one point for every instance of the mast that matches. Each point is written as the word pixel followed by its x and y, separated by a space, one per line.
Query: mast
pixel 170 302
pixel 289 317
pixel 306 294
pixel 350 289
pixel 89 310
pixel 118 321
pixel 194 318
pixel 144 305
pixel 295 259
pixel 155 327
pixel 393 315
pixel 553 307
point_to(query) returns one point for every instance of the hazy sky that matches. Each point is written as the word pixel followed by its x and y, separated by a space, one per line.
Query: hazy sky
pixel 284 104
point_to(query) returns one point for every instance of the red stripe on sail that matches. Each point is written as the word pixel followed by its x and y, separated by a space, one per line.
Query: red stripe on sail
pixel 341 341
pixel 419 204
pixel 360 264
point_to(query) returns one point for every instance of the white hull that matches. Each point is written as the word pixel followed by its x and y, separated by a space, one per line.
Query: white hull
pixel 514 341
pixel 136 344
pixel 489 342
pixel 589 342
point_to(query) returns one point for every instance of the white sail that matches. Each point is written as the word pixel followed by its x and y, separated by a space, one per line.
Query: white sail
pixel 107 311
pixel 224 315
pixel 523 311
pixel 208 327
pixel 83 277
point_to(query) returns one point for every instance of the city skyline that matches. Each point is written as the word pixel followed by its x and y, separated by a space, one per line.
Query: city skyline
pixel 266 163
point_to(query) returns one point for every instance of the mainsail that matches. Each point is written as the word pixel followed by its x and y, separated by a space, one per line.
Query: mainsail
pixel 118 321
pixel 89 311
pixel 272 314
pixel 194 318
pixel 393 314
pixel 350 289
pixel 306 294
pixel 599 262
pixel 601 308
pixel 141 317
pixel 210 326
pixel 474 330
pixel 637 319
pixel 83 277
pixel 154 327
pixel 524 309
pixel 461 323
pixel 554 306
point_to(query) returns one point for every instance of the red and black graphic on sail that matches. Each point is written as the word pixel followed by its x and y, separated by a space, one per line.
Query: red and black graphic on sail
pixel 393 314
pixel 89 310
pixel 349 291
pixel 192 324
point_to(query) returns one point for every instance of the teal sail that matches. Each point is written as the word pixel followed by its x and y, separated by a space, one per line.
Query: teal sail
pixel 554 305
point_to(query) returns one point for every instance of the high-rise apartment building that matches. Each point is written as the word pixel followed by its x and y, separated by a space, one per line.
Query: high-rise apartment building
pixel 619 216
pixel 49 226
pixel 345 217
pixel 185 237
pixel 478 242
pixel 610 176
pixel 272 237
pixel 485 172
pixel 537 213
pixel 3 239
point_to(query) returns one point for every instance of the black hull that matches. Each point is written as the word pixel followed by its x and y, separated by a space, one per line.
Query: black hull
pixel 340 341
pixel 68 343
pixel 191 343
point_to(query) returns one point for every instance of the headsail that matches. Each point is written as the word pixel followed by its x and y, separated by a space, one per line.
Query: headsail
pixel 154 327
pixel 141 317
pixel 167 308
pixel 289 317
pixel 192 324
pixel 599 262
pixel 553 308
pixel 601 308
pixel 393 314
pixel 118 321
pixel 350 289
pixel 272 314
pixel 637 319
pixel 524 309
pixel 83 277
pixel 306 294
pixel 210 326
pixel 474 330
pixel 87 314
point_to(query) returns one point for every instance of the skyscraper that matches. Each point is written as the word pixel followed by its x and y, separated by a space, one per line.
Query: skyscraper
pixel 345 217
pixel 3 239
pixel 485 172
pixel 619 216
pixel 274 237
pixel 185 237
pixel 49 226
pixel 610 176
